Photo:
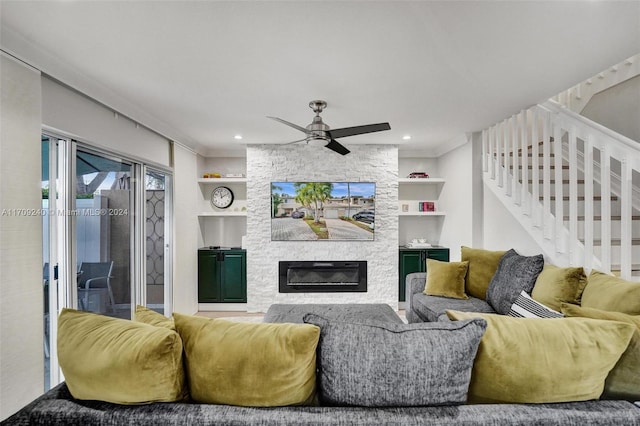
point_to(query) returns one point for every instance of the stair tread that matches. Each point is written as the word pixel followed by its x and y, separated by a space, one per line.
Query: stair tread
pixel 598 218
pixel 530 155
pixel 634 267
pixel 541 167
pixel 581 198
pixel 618 242
pixel 565 181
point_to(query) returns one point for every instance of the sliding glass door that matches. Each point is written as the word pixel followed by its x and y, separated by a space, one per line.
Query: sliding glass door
pixel 106 236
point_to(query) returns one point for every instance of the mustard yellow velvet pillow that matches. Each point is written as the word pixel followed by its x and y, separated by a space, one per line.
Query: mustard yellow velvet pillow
pixel 623 381
pixel 555 285
pixel 151 317
pixel 119 361
pixel 482 266
pixel 446 279
pixel 249 364
pixel 540 360
pixel 610 293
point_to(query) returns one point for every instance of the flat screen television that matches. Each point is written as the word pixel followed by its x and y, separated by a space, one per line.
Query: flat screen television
pixel 310 211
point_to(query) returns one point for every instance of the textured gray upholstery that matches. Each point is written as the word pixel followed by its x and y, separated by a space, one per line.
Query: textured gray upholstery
pixel 58 408
pixel 347 312
pixel 422 308
pixel 395 365
pixel 431 307
pixel 414 284
pixel 515 274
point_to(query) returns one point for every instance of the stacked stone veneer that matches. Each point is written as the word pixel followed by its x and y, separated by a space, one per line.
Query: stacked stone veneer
pixel 303 163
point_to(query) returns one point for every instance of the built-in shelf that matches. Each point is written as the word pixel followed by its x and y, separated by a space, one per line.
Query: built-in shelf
pixel 222 180
pixel 420 180
pixel 239 191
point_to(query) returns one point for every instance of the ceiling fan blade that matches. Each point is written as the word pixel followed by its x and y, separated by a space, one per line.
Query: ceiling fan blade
pixel 358 130
pixel 335 146
pixel 289 143
pixel 295 126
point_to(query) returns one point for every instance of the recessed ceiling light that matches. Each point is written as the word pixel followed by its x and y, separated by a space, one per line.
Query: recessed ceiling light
pixel 237 137
pixel 406 137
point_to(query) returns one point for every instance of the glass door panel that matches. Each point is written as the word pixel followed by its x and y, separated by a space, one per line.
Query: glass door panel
pixel 157 236
pixel 103 233
pixel 49 278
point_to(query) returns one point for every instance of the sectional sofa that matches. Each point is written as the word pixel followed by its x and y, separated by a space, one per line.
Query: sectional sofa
pixel 458 362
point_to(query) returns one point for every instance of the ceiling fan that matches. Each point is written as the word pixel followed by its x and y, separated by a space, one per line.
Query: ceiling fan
pixel 319 133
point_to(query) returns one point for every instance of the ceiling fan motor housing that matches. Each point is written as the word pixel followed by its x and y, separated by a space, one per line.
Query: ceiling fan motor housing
pixel 317 129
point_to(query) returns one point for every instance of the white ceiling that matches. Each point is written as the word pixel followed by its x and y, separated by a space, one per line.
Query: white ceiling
pixel 201 72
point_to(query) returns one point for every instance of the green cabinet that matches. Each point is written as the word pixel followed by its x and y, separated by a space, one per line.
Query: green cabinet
pixel 415 260
pixel 222 276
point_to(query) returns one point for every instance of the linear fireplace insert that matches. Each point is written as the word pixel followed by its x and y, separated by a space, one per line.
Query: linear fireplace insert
pixel 322 276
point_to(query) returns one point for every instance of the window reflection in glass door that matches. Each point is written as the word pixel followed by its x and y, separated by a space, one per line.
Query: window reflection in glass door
pixel 103 233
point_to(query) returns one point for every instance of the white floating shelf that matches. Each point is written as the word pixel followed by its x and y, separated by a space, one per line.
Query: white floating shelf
pixel 222 180
pixel 222 214
pixel 421 180
pixel 438 213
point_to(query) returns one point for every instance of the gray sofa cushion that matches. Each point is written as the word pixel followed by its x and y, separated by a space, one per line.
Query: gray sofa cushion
pixel 422 308
pixel 281 312
pixel 386 365
pixel 58 408
pixel 431 308
pixel 515 274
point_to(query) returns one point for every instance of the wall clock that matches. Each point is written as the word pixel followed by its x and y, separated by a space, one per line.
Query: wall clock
pixel 221 197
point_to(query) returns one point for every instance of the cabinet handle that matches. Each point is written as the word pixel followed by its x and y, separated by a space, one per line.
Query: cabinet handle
pixel 220 257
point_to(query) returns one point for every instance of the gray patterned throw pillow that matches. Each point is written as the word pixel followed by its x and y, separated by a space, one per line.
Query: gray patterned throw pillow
pixel 392 365
pixel 515 274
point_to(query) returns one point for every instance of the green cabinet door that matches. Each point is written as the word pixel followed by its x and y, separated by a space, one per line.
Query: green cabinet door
pixel 222 276
pixel 415 260
pixel 441 254
pixel 208 277
pixel 233 283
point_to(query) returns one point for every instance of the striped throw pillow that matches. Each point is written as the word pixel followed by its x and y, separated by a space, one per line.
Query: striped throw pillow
pixel 526 307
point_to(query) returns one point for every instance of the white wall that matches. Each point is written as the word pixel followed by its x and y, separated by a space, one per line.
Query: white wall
pixel 222 165
pixel 456 199
pixel 502 231
pixel 617 108
pixel 75 114
pixel 185 265
pixel 408 165
pixel 21 303
pixel 366 163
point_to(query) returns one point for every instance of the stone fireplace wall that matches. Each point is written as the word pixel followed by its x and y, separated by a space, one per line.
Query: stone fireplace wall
pixel 303 163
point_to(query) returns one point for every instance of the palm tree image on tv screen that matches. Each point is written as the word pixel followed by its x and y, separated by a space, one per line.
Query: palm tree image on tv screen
pixel 308 211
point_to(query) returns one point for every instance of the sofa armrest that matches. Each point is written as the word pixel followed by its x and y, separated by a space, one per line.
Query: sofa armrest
pixel 414 284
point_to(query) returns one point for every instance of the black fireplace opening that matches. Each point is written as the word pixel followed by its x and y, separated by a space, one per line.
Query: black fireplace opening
pixel 322 276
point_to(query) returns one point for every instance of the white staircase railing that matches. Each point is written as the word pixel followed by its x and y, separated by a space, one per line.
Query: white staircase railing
pixel 577 97
pixel 569 181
